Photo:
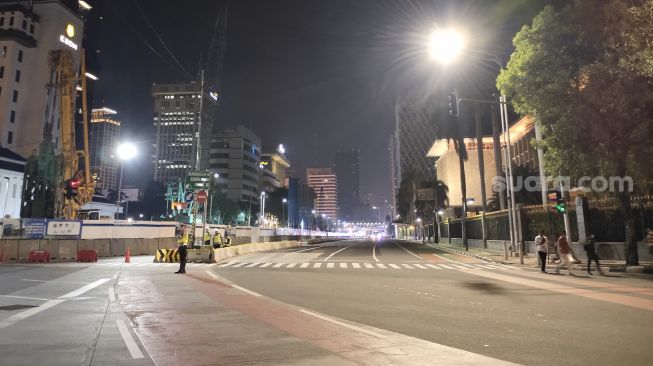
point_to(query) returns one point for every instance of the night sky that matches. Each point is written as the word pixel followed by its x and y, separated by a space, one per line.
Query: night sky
pixel 316 75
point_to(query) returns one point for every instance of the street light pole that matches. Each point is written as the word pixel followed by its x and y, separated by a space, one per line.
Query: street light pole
pixel 126 151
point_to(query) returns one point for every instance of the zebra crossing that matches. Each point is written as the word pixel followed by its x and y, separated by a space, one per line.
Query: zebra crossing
pixel 364 265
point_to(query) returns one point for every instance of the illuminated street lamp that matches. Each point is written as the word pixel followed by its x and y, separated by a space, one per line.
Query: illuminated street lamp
pixel 446 45
pixel 283 210
pixel 125 151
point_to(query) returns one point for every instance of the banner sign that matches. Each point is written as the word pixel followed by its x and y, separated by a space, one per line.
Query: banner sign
pixel 64 228
pixel 34 228
pixel 425 194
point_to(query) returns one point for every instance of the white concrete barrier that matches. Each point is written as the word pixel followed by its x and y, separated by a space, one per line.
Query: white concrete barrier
pixel 229 252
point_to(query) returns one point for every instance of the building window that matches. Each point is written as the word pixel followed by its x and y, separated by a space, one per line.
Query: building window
pixel 18 76
pixel 10 138
pixel 2 71
pixel 2 21
pixel 24 25
pixel 15 97
pixel 12 117
pixel 31 28
pixel 20 55
pixel 11 21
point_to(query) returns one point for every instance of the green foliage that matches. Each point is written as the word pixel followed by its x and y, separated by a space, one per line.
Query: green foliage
pixel 223 209
pixel 585 73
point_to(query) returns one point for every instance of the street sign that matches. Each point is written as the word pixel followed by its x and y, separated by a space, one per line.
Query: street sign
pixel 425 194
pixel 198 180
pixel 201 196
pixel 189 196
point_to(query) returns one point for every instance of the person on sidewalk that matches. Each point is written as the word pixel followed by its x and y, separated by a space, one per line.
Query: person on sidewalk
pixel 183 254
pixel 542 243
pixel 590 249
pixel 565 254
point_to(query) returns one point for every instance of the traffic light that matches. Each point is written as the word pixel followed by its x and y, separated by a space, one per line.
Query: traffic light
pixel 71 186
pixel 561 206
pixel 453 104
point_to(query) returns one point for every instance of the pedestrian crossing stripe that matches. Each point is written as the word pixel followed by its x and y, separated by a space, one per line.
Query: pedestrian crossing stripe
pixel 318 265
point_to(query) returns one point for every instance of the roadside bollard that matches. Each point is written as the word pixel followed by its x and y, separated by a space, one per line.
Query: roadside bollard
pixel 128 255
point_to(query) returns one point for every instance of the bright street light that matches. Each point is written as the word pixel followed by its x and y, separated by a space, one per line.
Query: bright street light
pixel 446 45
pixel 284 200
pixel 216 175
pixel 91 76
pixel 126 151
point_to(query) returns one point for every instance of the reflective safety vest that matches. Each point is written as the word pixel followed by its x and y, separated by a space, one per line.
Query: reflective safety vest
pixel 217 238
pixel 185 239
pixel 207 236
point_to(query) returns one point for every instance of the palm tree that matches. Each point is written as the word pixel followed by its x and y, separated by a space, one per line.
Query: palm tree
pixel 406 194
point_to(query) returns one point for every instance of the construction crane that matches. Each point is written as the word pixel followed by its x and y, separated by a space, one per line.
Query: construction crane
pixel 55 186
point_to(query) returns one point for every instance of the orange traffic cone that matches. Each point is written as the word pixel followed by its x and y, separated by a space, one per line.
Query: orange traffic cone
pixel 128 256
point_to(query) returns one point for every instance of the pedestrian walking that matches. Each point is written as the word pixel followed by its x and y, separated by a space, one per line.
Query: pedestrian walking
pixel 565 254
pixel 183 253
pixel 542 243
pixel 590 249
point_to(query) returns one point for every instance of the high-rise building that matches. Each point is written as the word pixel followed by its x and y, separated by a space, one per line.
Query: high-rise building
pixel 275 167
pixel 104 133
pixel 348 173
pixel 412 139
pixel 236 156
pixel 325 184
pixel 29 30
pixel 301 202
pixel 177 110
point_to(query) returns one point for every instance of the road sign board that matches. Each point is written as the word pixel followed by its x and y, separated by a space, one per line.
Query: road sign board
pixel 201 196
pixel 198 180
pixel 189 196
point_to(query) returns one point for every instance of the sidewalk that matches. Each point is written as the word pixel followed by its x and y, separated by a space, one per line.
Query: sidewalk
pixel 531 260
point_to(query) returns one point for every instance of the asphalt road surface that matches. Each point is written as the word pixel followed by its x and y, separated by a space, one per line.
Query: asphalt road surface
pixel 340 303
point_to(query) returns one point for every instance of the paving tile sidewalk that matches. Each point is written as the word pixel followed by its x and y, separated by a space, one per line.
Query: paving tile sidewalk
pixel 531 260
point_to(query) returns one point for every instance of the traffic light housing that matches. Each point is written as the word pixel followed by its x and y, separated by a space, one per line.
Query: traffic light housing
pixel 71 187
pixel 453 104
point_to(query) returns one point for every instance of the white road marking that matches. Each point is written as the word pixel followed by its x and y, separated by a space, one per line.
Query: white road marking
pixel 356 265
pixel 446 259
pixel 134 351
pixel 252 265
pixel 265 265
pixel 419 266
pixel 291 265
pixel 225 265
pixel 304 265
pixel 278 265
pixel 368 265
pixel 343 265
pixel 53 281
pixel 349 326
pixel 115 277
pixel 211 274
pixel 380 265
pixel 50 303
pixel 409 252
pixel 408 266
pixel 432 266
pixel 460 267
pixel 246 290
pixel 374 252
pixel 25 297
pixel 330 265
pixel 112 294
pixel 317 265
pixel 142 264
pixel 445 266
pixel 394 266
pixel 303 250
pixel 338 251
pixel 240 264
pixel 491 266
pixel 84 289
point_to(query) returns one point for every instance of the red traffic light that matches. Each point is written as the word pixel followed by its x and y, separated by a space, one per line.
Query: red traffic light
pixel 74 183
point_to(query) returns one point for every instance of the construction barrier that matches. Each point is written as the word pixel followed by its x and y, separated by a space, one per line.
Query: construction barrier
pixel 203 254
pixel 166 256
pixel 87 255
pixel 39 256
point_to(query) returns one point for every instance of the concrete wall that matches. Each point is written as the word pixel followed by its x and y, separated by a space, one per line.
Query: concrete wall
pixel 224 253
pixel 107 229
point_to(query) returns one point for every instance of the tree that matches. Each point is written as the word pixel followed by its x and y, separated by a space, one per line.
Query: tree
pixel 585 72
pixel 223 209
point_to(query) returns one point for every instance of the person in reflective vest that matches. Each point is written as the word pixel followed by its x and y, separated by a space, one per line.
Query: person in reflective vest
pixel 217 240
pixel 207 238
